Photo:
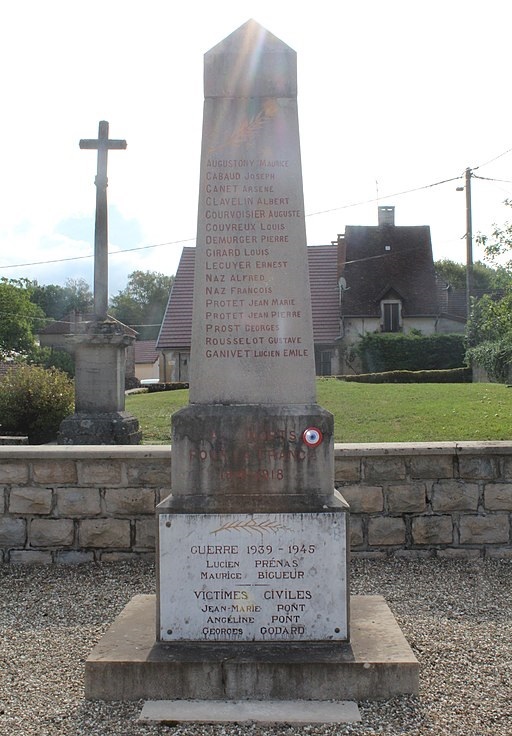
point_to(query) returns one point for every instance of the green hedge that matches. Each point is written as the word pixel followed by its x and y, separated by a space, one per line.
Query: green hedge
pixel 382 352
pixel 454 375
pixel 174 386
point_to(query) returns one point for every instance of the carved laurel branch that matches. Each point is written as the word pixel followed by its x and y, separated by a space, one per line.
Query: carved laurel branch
pixel 250 526
pixel 247 129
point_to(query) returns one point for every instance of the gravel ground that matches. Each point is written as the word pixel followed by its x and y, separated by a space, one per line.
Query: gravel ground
pixel 457 616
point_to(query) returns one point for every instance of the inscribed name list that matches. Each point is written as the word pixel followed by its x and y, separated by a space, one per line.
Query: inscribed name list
pixel 252 306
pixel 258 577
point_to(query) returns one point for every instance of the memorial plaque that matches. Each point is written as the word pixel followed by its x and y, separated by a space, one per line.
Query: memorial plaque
pixel 253 577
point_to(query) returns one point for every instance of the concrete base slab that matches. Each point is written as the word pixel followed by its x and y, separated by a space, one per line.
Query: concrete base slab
pixel 127 663
pixel 250 711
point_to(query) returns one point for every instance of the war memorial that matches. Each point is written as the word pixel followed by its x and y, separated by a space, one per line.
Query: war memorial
pixel 253 613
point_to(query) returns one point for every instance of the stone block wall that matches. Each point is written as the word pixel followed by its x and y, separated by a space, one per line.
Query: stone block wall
pixel 414 500
pixel 96 503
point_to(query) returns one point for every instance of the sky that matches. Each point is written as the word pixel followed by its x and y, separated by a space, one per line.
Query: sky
pixel 394 96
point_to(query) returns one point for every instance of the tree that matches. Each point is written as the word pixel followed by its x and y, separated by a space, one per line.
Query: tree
pixel 484 278
pixel 57 301
pixel 489 328
pixel 19 318
pixel 142 303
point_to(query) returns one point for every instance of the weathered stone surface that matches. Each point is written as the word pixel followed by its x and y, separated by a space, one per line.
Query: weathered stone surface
pixel 145 534
pixel 129 501
pixel 13 532
pixel 30 501
pixel 406 498
pixel 431 466
pixel 51 472
pixel 363 499
pixel 386 469
pixel 478 468
pixel 100 473
pixel 432 530
pixel 125 556
pixel 30 557
pixel 255 450
pixel 345 469
pixel 149 473
pixel 500 553
pixel 74 557
pixel 78 502
pixel 250 125
pixel 461 553
pixel 485 529
pixel 384 531
pixel 498 496
pixel 455 496
pixel 14 472
pixel 112 428
pixel 126 664
pixel 51 532
pixel 356 531
pixel 107 533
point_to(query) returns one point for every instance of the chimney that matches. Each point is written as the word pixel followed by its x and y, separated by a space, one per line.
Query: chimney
pixel 386 216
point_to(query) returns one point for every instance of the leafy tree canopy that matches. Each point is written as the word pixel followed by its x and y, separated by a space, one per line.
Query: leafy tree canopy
pixel 484 278
pixel 141 304
pixel 19 318
pixel 57 301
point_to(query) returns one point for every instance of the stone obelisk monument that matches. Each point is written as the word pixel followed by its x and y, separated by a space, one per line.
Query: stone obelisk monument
pixel 99 344
pixel 253 538
pixel 252 595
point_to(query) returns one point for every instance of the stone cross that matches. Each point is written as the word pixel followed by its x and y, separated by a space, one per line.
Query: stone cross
pixel 102 144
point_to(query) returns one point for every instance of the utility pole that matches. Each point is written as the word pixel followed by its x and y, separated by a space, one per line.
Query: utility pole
pixel 469 243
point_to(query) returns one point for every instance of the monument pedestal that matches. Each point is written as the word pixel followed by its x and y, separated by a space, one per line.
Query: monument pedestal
pixel 377 663
pixel 99 347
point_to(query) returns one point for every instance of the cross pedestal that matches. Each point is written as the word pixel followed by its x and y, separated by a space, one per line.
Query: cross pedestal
pixel 100 358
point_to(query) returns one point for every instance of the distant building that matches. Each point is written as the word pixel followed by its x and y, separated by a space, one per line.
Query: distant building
pixel 372 279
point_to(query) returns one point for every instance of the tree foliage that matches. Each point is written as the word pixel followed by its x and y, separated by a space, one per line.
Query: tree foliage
pixel 57 301
pixel 484 278
pixel 489 329
pixel 19 318
pixel 142 303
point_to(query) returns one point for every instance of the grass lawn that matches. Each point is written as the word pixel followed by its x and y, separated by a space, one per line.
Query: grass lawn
pixel 406 412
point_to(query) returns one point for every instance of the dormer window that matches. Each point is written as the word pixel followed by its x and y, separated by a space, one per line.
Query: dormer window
pixel 391 315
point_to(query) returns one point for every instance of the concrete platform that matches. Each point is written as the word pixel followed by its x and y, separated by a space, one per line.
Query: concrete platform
pixel 298 712
pixel 127 663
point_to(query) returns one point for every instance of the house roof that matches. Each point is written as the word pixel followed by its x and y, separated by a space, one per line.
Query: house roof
pixel 323 282
pixel 385 259
pixel 145 351
pixel 176 330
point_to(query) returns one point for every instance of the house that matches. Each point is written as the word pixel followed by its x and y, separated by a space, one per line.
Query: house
pixel 373 278
pixel 388 283
pixel 146 359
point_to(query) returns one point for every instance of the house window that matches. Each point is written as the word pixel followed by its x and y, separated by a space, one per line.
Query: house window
pixel 391 317
pixel 325 362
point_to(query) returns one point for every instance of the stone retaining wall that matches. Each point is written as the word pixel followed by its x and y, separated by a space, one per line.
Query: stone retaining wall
pixel 79 504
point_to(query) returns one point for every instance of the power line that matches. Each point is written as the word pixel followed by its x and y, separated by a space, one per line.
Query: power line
pixel 386 196
pixel 91 255
pixel 310 214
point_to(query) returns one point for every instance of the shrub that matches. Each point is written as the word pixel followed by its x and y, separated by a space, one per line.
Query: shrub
pixel 495 357
pixel 453 375
pixel 380 352
pixel 34 401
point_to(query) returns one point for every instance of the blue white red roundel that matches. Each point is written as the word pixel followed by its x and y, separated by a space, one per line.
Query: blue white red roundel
pixel 312 436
